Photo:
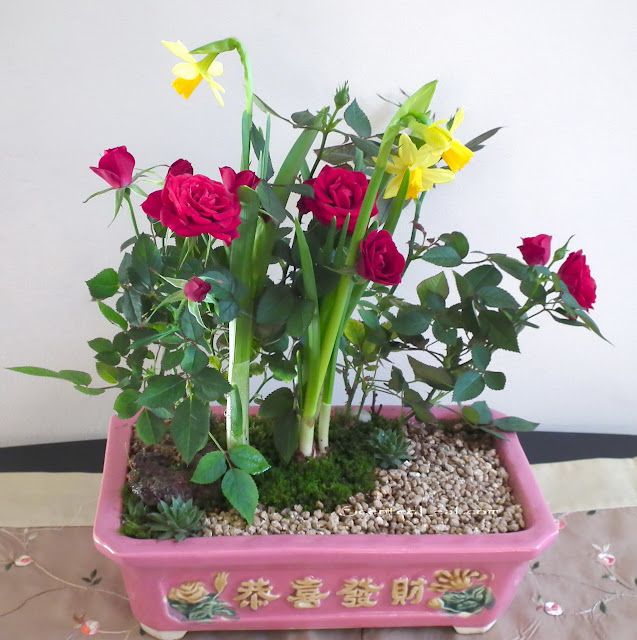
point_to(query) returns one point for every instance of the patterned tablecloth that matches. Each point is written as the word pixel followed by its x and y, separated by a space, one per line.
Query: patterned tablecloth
pixel 55 586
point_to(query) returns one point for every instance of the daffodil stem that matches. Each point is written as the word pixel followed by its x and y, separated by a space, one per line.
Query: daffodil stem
pixel 338 315
pixel 246 125
pixel 412 238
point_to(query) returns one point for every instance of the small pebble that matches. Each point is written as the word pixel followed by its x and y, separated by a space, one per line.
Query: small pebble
pixel 451 486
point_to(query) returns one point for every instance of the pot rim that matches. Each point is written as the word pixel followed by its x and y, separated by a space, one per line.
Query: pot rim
pixel 539 533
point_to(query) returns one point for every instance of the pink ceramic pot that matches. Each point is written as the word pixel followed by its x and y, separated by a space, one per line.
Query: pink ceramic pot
pixel 314 582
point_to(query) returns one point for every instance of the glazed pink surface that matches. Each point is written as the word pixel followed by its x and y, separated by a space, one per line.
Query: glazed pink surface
pixel 151 568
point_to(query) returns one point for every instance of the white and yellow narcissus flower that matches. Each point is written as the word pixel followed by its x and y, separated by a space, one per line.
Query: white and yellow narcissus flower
pixel 191 72
pixel 419 162
pixel 436 135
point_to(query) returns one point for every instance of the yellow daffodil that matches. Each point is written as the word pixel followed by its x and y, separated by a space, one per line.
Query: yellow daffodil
pixel 418 161
pixel 453 152
pixel 190 72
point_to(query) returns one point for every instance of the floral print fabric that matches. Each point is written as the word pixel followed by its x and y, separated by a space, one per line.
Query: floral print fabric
pixel 55 586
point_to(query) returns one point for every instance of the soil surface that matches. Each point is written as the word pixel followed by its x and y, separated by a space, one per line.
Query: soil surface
pixel 454 483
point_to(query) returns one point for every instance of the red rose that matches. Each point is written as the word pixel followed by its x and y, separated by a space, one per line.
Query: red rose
pixel 337 192
pixel 194 204
pixel 232 181
pixel 197 289
pixel 379 260
pixel 116 167
pixel 576 275
pixel 152 205
pixel 536 250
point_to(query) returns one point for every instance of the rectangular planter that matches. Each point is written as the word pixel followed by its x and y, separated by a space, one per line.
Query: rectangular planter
pixel 322 581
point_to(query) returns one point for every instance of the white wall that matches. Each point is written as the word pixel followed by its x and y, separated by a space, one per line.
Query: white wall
pixel 79 77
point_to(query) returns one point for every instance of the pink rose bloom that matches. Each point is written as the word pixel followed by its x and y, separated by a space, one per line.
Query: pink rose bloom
pixel 536 250
pixel 379 259
pixel 232 181
pixel 576 275
pixel 337 193
pixel 116 167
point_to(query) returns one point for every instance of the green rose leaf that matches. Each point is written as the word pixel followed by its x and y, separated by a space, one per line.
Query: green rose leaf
pixel 458 241
pixel 286 435
pixel 130 305
pixel 275 305
pixel 241 492
pixel 481 356
pixel 127 404
pixel 210 468
pixel 495 380
pixel 500 330
pixel 411 321
pixel 76 377
pixel 194 360
pixel 498 298
pixel 103 285
pixel 189 326
pixel 112 316
pixel 162 391
pixel 146 263
pixel 108 357
pixel 150 428
pixel 469 385
pixel 209 385
pixel 470 415
pixel 484 413
pixel 515 424
pixel 280 402
pixel 511 266
pixel 249 459
pixel 435 377
pixel 300 318
pixel 443 256
pixel 189 427
pixel 486 275
pixel 435 284
pixel 357 120
pixel 100 344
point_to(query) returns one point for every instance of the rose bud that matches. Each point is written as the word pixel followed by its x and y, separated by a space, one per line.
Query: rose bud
pixel 337 192
pixel 116 167
pixel 576 275
pixel 536 250
pixel 379 259
pixel 197 289
pixel 232 181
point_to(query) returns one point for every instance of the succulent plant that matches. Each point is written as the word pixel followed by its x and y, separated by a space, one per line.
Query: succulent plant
pixel 178 520
pixel 390 448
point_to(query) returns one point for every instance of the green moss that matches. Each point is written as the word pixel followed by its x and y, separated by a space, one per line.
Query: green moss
pixel 347 469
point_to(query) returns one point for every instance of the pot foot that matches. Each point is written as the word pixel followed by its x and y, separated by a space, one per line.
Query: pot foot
pixel 163 635
pixel 472 630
